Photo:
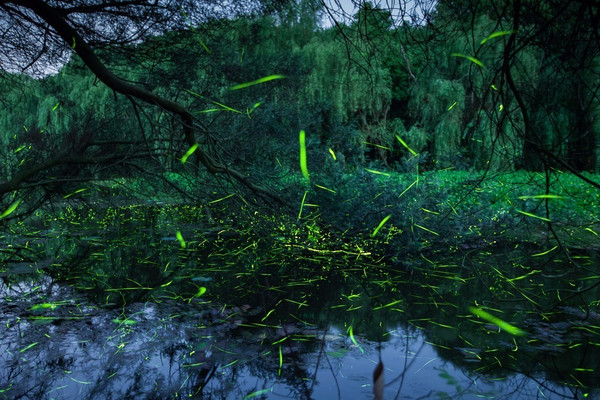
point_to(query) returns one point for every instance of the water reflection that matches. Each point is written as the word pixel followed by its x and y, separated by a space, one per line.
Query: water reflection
pixel 78 351
pixel 119 313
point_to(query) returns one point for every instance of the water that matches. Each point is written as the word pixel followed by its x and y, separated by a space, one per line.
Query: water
pixel 125 312
pixel 89 353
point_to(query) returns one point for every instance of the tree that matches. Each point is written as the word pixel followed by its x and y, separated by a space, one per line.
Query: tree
pixel 546 92
pixel 491 84
pixel 40 35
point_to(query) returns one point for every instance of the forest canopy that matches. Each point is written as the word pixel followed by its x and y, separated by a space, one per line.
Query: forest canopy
pixel 468 85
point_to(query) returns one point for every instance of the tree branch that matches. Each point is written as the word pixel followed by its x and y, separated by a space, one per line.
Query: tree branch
pixel 54 18
pixel 15 182
pixel 93 8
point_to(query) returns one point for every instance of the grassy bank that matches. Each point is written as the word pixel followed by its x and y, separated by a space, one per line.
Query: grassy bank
pixel 395 212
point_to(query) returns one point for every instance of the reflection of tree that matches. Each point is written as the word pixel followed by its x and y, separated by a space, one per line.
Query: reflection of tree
pixel 192 347
pixel 159 356
pixel 167 352
pixel 557 352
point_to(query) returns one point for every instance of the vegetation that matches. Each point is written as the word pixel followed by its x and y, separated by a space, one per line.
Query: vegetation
pixel 279 175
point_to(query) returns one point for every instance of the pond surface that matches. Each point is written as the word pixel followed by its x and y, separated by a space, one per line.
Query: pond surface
pixel 128 309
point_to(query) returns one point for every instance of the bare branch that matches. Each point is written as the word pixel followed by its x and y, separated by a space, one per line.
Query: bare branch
pixel 54 18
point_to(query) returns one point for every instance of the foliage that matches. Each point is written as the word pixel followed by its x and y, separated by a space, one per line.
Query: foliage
pixel 255 176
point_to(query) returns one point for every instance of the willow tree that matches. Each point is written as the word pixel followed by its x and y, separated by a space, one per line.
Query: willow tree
pixel 348 79
pixel 524 72
pixel 40 36
pixel 539 93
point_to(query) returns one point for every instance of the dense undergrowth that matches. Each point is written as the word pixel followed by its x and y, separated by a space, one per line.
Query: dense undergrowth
pixel 381 223
pixel 432 209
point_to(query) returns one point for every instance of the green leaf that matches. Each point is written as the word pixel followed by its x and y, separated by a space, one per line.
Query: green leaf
pixel 256 82
pixel 497 34
pixel 190 151
pixel 201 291
pixel 472 59
pixel 513 330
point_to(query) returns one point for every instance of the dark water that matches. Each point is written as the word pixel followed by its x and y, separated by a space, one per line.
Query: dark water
pixel 119 309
